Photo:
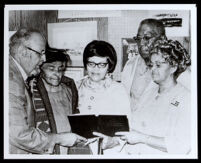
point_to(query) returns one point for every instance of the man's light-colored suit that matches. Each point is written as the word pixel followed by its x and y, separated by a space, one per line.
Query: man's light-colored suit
pixel 23 136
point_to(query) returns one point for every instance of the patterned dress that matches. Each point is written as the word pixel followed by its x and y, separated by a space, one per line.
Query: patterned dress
pixel 105 97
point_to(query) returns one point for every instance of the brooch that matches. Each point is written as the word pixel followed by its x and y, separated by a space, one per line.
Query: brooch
pixel 176 103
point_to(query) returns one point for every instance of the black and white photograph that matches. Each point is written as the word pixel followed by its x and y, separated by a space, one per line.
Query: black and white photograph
pixel 109 81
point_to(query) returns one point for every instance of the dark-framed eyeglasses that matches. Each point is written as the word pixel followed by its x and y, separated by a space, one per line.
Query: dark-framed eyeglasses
pixel 99 65
pixel 39 53
pixel 145 38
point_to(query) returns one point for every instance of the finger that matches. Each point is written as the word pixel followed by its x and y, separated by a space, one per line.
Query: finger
pixel 99 134
pixel 90 141
pixel 121 133
pixel 86 143
pixel 80 138
pixel 123 138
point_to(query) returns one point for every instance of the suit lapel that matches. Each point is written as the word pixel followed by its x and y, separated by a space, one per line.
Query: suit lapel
pixel 29 104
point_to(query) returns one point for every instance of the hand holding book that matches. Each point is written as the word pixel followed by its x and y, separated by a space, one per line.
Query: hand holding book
pixel 85 125
pixel 103 126
pixel 108 141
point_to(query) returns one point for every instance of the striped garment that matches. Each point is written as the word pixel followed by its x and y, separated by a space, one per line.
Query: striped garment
pixel 44 118
pixel 41 118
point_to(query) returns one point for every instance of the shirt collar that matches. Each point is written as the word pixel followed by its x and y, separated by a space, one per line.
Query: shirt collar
pixel 23 73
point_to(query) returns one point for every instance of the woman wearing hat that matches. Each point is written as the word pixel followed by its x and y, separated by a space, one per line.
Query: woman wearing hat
pixel 55 97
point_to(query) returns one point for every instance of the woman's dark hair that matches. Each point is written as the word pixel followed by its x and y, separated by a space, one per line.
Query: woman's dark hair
pixel 174 53
pixel 101 49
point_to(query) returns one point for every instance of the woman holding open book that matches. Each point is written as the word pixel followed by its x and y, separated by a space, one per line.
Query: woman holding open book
pixel 98 93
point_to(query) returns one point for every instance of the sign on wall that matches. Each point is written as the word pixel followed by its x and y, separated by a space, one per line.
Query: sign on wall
pixel 87 13
pixel 175 21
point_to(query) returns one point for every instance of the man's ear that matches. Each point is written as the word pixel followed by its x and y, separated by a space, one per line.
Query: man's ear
pixel 25 53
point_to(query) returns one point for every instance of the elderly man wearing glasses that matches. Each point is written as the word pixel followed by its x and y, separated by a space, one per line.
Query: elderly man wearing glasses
pixel 136 76
pixel 27 47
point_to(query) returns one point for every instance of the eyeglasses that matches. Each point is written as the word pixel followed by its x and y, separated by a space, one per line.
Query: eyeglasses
pixel 93 64
pixel 41 54
pixel 145 38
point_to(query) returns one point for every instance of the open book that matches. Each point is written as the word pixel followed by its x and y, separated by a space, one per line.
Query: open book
pixel 85 125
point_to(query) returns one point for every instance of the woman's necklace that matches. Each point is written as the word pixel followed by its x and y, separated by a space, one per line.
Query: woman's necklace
pixel 98 86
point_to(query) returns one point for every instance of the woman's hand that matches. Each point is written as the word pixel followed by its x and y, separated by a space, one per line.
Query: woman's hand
pixel 108 141
pixel 135 137
pixel 132 137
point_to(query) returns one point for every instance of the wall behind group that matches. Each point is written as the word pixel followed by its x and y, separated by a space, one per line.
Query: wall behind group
pixel 28 19
pixel 111 29
pixel 39 19
pixel 125 26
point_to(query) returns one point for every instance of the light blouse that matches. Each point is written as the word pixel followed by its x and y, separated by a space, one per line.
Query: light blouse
pixel 166 115
pixel 105 97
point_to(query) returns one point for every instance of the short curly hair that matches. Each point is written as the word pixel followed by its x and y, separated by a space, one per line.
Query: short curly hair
pixel 101 49
pixel 174 53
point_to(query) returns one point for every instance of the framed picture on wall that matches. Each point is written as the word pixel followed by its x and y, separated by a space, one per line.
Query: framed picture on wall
pixel 75 73
pixel 73 36
pixel 129 49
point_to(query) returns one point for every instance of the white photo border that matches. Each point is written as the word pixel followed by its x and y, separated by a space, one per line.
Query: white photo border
pixel 193 21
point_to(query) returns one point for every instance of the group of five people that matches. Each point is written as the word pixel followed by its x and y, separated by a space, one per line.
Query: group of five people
pixel 157 106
